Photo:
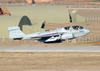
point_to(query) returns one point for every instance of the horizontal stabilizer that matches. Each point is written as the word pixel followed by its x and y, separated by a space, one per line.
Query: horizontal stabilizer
pixel 15 32
pixel 13 28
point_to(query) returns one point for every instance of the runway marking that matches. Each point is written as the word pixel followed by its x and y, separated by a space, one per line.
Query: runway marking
pixel 21 50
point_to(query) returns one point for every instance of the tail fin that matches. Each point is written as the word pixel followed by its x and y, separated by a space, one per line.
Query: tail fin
pixel 15 32
pixel 43 24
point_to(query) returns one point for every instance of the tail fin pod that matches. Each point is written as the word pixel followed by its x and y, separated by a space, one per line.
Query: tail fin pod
pixel 15 32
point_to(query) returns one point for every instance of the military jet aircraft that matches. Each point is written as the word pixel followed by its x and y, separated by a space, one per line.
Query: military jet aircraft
pixel 69 33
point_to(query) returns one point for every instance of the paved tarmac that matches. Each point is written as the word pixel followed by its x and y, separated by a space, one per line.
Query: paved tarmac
pixel 50 49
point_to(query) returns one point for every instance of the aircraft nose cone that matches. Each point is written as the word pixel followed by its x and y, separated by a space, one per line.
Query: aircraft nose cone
pixel 87 31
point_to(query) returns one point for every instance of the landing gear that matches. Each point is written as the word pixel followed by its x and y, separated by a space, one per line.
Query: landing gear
pixel 70 40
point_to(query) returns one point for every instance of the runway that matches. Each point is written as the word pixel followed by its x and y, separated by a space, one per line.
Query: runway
pixel 50 49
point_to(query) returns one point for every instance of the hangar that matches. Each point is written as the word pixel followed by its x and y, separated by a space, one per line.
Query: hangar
pixel 50 14
pixel 75 17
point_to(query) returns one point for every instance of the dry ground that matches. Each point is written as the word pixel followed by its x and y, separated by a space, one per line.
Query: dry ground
pixel 41 44
pixel 49 61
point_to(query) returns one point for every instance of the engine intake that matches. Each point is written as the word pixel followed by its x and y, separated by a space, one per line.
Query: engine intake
pixel 67 36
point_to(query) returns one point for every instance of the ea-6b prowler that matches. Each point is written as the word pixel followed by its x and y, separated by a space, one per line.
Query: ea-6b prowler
pixel 69 33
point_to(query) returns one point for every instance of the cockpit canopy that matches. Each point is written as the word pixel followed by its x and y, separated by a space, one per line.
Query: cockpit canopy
pixel 74 27
pixel 77 27
pixel 66 28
